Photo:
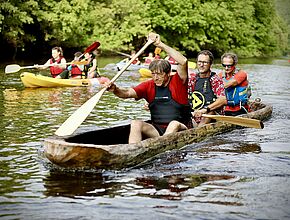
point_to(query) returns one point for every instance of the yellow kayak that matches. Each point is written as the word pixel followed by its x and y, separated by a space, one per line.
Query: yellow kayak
pixel 32 80
pixel 146 73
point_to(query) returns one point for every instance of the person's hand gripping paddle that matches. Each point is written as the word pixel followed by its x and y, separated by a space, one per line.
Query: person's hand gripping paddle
pixel 76 119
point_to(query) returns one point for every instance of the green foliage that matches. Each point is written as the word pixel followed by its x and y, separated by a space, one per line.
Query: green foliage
pixel 283 10
pixel 249 27
pixel 14 18
pixel 120 26
pixel 81 22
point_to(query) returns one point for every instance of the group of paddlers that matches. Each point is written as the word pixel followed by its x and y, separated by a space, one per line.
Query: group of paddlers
pixel 83 66
pixel 177 101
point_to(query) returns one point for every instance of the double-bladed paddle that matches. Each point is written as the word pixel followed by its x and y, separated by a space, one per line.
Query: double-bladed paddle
pixel 75 120
pixel 13 68
pixel 91 48
pixel 246 122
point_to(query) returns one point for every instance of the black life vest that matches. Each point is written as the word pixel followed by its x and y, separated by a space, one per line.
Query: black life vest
pixel 164 109
pixel 87 68
pixel 203 94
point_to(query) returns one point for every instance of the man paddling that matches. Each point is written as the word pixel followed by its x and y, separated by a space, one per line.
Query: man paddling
pixel 166 94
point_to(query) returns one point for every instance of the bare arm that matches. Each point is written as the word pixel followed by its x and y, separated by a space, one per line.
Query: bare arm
pixel 182 60
pixel 238 78
pixel 123 92
pixel 231 83
pixel 94 66
pixel 63 63
pixel 45 66
pixel 218 103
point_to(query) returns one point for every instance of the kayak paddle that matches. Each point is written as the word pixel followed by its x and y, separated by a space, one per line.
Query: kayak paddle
pixel 13 68
pixel 91 48
pixel 75 120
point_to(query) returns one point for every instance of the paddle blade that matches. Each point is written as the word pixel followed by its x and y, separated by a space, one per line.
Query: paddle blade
pixel 76 119
pixel 92 47
pixel 84 62
pixel 245 122
pixel 157 50
pixel 13 68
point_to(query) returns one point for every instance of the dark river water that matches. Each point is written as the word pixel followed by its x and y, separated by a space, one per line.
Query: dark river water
pixel 244 174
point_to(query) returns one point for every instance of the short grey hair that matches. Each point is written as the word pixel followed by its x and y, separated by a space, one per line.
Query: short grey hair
pixel 233 56
pixel 160 66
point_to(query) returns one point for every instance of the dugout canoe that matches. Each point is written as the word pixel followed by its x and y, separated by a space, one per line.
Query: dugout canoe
pixel 108 148
pixel 32 80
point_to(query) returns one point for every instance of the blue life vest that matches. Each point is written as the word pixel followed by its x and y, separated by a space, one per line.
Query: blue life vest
pixel 237 95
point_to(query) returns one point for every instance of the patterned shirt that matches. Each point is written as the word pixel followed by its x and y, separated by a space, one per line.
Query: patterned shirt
pixel 217 86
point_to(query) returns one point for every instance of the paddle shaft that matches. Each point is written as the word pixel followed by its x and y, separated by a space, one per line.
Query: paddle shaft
pixel 124 54
pixel 76 119
pixel 246 122
pixel 132 59
pixel 49 65
pixel 15 67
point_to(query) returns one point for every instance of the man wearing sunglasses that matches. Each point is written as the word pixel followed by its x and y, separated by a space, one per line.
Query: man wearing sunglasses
pixel 205 89
pixel 236 86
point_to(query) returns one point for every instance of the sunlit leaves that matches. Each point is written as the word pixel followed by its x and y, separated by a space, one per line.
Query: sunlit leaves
pixel 247 27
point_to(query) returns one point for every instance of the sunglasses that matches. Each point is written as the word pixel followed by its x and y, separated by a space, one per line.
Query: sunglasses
pixel 227 65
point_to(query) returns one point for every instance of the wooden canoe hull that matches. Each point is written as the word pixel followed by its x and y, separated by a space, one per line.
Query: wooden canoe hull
pixel 32 80
pixel 108 148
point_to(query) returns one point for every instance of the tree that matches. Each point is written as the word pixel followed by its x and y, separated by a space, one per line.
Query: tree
pixel 17 19
pixel 248 27
pixel 80 22
pixel 251 28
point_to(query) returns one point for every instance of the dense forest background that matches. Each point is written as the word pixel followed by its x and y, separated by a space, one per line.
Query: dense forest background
pixel 250 28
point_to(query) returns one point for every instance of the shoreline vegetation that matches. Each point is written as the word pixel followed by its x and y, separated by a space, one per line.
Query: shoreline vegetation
pixel 250 28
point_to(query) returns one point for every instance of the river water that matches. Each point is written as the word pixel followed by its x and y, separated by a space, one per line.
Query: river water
pixel 244 174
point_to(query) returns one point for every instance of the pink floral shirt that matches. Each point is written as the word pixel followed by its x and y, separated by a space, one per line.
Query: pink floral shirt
pixel 217 84
pixel 217 87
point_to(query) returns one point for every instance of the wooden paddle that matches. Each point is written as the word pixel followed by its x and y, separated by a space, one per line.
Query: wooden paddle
pixel 13 68
pixel 124 54
pixel 75 120
pixel 246 122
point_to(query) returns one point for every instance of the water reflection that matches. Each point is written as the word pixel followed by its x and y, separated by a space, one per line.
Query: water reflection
pixel 240 174
pixel 75 184
pixel 171 187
